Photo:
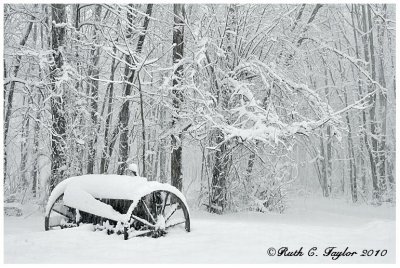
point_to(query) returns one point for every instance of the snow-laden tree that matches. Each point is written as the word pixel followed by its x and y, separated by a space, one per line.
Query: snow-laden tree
pixel 257 101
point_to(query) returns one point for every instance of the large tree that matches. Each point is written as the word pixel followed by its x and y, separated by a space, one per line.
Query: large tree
pixel 177 55
pixel 58 131
pixel 129 73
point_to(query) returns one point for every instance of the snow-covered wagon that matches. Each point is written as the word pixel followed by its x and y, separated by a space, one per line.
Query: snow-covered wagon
pixel 128 205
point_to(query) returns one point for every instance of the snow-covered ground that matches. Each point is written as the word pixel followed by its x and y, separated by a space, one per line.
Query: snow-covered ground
pixel 234 238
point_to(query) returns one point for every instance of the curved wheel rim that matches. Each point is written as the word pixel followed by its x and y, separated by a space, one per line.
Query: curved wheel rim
pixel 64 213
pixel 158 212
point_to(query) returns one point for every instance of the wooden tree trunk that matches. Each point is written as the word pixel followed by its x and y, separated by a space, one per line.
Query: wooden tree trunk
pixel 35 153
pixel 323 161
pixel 36 128
pixel 363 138
pixel 178 41
pixel 310 20
pixel 58 136
pixel 129 77
pixel 372 101
pixel 219 176
pixel 298 17
pixel 352 163
pixel 105 156
pixel 252 157
pixel 329 151
pixel 223 159
pixel 144 173
pixel 350 145
pixel 382 111
pixel 94 88
pixel 250 165
pixel 10 97
pixel 163 153
pixel 24 146
pixel 391 146
pixel 124 113
pixel 78 163
pixel 364 115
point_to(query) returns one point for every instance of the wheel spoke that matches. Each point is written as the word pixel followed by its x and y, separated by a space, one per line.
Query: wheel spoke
pixel 158 203
pixel 163 218
pixel 142 221
pixel 62 211
pixel 165 203
pixel 148 211
pixel 139 233
pixel 176 222
pixel 173 209
pixel 70 217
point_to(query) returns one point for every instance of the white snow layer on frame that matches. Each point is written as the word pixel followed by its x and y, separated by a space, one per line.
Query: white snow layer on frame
pixel 81 192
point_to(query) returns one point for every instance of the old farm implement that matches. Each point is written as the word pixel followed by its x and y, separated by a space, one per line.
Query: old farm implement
pixel 126 205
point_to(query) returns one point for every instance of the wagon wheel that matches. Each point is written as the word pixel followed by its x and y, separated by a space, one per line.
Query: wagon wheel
pixel 156 213
pixel 60 216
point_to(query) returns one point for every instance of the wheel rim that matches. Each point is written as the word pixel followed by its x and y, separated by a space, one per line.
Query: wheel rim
pixel 156 213
pixel 60 216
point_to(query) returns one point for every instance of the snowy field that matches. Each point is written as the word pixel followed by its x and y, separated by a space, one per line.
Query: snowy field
pixel 233 238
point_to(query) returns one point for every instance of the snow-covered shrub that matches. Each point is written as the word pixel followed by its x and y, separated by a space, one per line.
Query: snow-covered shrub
pixel 12 209
pixel 270 193
pixel 260 181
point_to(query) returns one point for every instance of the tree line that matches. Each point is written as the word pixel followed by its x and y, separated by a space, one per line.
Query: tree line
pixel 264 95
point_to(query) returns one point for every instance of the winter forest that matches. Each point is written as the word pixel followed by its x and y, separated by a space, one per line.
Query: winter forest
pixel 236 104
pixel 239 106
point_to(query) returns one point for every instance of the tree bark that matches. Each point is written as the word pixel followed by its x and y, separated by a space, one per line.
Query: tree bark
pixel 163 153
pixel 11 90
pixel 323 162
pixel 35 154
pixel 178 41
pixel 298 17
pixel 329 151
pixel 144 174
pixel 106 154
pixel 310 20
pixel 129 77
pixel 353 167
pixel 382 111
pixel 24 146
pixel 94 88
pixel 372 100
pixel 363 138
pixel 223 160
pixel 58 136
